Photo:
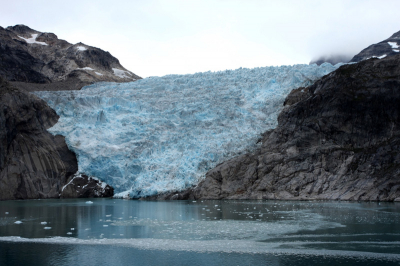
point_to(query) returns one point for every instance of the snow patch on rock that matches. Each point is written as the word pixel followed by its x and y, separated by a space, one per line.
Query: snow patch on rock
pixel 394 45
pixel 122 73
pixel 32 40
pixel 86 68
pixel 81 48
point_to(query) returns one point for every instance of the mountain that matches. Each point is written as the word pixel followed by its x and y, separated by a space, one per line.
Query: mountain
pixel 388 47
pixel 338 139
pixel 33 163
pixel 34 60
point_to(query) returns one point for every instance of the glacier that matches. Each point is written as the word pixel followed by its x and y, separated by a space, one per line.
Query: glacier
pixel 162 134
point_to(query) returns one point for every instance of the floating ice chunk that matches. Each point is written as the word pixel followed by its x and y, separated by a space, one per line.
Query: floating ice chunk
pixel 108 215
pixel 33 40
pixel 394 45
pixel 89 202
pixel 72 229
pixel 18 222
pixel 163 134
pixel 47 228
pixel 43 223
pixel 6 213
pixel 105 225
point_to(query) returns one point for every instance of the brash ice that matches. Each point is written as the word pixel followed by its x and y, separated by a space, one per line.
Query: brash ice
pixel 162 134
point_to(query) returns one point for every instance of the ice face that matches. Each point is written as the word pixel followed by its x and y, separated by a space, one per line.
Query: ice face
pixel 162 134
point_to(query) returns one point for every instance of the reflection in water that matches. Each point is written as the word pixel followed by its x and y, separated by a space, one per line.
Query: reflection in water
pixel 199 232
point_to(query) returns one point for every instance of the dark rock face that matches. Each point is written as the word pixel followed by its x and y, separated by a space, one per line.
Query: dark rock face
pixel 83 186
pixel 30 56
pixel 33 163
pixel 388 47
pixel 338 139
pixel 332 59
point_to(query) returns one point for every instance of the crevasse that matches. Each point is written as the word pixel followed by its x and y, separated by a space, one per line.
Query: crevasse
pixel 162 134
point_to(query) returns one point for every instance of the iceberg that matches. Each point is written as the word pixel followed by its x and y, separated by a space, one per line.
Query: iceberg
pixel 162 134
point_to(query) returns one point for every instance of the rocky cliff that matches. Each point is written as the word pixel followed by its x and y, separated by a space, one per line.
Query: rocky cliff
pixel 34 60
pixel 338 139
pixel 388 47
pixel 33 163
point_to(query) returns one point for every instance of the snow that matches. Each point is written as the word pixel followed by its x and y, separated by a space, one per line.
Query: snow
pixel 71 181
pixel 163 134
pixel 18 222
pixel 86 68
pixel 33 39
pixel 89 202
pixel 81 48
pixel 122 73
pixel 47 228
pixel 374 56
pixel 44 223
pixel 394 45
pixel 394 50
pixel 97 73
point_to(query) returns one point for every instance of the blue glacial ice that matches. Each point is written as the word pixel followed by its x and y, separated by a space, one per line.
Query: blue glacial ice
pixel 162 134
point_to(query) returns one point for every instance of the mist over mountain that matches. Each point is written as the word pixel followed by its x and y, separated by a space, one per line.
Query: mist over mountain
pixel 332 59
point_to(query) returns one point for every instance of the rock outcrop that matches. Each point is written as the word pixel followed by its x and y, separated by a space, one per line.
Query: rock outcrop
pixel 48 63
pixel 338 139
pixel 83 186
pixel 388 47
pixel 33 163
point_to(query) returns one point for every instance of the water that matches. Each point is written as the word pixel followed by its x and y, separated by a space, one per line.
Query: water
pixel 116 232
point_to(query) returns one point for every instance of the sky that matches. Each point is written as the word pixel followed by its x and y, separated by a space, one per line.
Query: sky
pixel 156 38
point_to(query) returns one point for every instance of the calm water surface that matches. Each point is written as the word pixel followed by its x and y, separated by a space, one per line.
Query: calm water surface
pixel 116 232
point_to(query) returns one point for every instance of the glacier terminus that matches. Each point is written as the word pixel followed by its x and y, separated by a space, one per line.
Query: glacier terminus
pixel 163 134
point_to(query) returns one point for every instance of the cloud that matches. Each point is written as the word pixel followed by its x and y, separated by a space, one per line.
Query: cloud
pixel 157 37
